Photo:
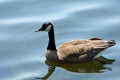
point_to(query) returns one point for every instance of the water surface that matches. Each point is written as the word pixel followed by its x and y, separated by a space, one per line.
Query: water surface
pixel 22 51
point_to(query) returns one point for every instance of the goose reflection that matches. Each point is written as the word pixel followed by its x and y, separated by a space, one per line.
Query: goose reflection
pixel 95 66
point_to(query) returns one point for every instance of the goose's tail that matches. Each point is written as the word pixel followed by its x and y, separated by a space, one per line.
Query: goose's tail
pixel 111 43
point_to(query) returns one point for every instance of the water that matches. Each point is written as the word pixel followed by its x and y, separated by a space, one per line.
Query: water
pixel 22 51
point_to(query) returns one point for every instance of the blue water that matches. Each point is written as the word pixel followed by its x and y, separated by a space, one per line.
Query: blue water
pixel 22 51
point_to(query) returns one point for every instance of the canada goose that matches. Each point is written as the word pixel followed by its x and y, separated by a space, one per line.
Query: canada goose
pixel 75 50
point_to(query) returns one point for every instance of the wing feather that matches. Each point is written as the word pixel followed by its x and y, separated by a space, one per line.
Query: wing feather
pixel 80 47
pixel 75 47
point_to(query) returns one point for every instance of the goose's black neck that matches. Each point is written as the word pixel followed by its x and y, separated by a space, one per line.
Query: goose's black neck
pixel 51 44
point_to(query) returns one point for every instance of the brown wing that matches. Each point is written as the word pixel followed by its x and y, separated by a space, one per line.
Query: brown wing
pixel 75 47
pixel 80 47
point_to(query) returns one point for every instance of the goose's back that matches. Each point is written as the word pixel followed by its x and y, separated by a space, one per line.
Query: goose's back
pixel 78 49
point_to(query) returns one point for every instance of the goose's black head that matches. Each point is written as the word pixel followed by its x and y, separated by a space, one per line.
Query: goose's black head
pixel 45 27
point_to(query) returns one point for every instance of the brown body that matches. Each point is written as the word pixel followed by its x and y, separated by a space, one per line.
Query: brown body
pixel 79 50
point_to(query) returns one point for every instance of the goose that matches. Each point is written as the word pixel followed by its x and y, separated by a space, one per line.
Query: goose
pixel 74 50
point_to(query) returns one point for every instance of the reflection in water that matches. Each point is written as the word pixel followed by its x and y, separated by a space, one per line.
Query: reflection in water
pixel 51 69
pixel 89 67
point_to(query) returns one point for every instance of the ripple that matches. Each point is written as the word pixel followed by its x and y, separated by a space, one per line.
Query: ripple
pixel 109 20
pixel 54 16
pixel 5 1
pixel 114 20
pixel 22 70
pixel 25 76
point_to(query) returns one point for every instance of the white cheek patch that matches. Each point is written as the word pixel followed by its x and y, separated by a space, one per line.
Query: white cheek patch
pixel 48 28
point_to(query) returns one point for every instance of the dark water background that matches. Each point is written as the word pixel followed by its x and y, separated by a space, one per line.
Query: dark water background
pixel 22 51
